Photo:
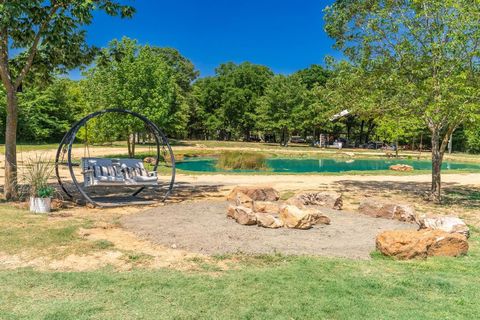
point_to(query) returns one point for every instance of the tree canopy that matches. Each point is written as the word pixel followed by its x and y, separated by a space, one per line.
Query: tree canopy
pixel 423 55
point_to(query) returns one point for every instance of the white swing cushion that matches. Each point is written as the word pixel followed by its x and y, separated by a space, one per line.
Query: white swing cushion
pixel 116 172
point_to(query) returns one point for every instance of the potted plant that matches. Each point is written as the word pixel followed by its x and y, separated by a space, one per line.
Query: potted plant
pixel 42 201
pixel 37 173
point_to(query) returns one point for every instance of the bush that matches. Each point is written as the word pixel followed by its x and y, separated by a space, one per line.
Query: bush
pixel 241 160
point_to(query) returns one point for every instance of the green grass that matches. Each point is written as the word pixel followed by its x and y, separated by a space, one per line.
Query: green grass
pixel 20 229
pixel 241 160
pixel 285 288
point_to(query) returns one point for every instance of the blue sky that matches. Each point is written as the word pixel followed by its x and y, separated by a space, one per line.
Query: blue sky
pixel 285 35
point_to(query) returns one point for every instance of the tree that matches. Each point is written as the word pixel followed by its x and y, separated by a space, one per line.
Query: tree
pixel 425 54
pixel 205 108
pixel 285 98
pixel 242 86
pixel 136 78
pixel 313 76
pixel 49 36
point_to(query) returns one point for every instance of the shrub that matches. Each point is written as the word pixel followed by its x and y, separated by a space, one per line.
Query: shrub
pixel 241 160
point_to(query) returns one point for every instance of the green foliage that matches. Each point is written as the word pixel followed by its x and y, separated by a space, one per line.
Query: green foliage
pixel 46 192
pixel 418 58
pixel 46 113
pixel 51 31
pixel 227 103
pixel 472 135
pixel 282 105
pixel 314 76
pixel 242 160
pixel 136 78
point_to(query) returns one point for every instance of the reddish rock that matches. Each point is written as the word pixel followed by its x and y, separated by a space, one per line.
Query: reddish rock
pixel 401 167
pixel 329 199
pixel 381 209
pixel 150 160
pixel 256 193
pixel 409 244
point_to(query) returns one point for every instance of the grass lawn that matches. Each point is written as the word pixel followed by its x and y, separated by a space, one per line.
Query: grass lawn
pixel 255 287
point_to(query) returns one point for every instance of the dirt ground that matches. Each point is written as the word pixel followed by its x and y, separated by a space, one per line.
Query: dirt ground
pixel 202 227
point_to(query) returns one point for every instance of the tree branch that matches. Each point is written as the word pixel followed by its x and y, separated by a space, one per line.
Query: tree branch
pixel 33 49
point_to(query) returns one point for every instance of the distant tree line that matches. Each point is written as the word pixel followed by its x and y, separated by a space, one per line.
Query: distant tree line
pixel 239 102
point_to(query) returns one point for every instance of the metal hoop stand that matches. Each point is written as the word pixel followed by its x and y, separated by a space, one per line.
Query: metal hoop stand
pixel 64 157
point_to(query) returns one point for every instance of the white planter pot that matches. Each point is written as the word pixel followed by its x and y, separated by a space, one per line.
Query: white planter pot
pixel 40 205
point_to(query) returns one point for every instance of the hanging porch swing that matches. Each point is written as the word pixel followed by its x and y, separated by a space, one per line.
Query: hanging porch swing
pixel 114 181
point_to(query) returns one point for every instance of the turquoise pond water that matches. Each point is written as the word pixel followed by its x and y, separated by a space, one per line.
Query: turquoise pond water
pixel 322 165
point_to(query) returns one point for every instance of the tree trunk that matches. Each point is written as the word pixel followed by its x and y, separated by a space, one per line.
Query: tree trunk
pixel 360 138
pixel 396 148
pixel 131 145
pixel 437 159
pixel 10 189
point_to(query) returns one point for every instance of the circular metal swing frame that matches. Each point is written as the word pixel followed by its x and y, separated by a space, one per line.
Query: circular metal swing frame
pixel 65 151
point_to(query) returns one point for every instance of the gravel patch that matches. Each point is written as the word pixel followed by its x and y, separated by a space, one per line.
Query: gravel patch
pixel 202 226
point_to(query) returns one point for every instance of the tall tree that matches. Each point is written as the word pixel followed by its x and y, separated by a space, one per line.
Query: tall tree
pixel 49 35
pixel 426 55
pixel 137 78
pixel 242 86
pixel 281 107
pixel 313 76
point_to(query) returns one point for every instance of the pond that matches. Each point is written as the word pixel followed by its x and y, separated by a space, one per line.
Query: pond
pixel 322 165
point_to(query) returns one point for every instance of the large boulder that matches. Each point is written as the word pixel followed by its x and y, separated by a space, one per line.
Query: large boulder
pixel 381 209
pixel 401 167
pixel 268 220
pixel 329 199
pixel 256 193
pixel 294 217
pixel 410 244
pixel 242 215
pixel 266 206
pixel 447 224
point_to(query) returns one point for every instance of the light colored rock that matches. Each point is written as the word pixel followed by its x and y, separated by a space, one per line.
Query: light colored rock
pixel 242 200
pixel 256 193
pixel 266 206
pixel 409 244
pixel 231 211
pixel 447 224
pixel 381 209
pixel 150 160
pixel 293 201
pixel 329 199
pixel 401 167
pixel 294 217
pixel 268 221
pixel 319 217
pixel 244 215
